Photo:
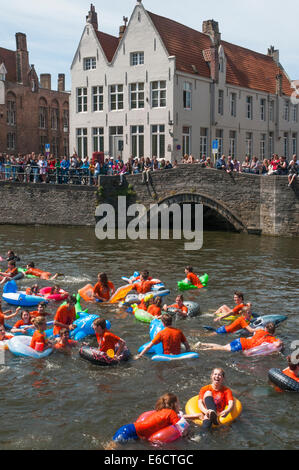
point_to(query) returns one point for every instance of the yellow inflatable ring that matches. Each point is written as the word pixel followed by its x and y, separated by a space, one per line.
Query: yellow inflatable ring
pixel 193 408
pixel 230 318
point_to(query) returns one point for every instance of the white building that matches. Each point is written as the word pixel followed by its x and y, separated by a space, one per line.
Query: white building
pixel 163 89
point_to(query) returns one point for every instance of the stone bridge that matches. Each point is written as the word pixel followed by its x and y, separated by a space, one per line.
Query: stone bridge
pixel 249 203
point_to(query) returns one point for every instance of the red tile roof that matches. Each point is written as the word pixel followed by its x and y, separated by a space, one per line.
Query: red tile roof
pixel 9 59
pixel 109 44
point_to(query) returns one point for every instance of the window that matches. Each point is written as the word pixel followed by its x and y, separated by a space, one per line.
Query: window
pixel 233 104
pixel 263 109
pixel 219 137
pixel 187 95
pixel 271 144
pixel 81 135
pixel 186 147
pixel 11 113
pixel 295 113
pixel 55 146
pixel 158 94
pixel 89 63
pixel 263 147
pixel 286 111
pixel 249 107
pixel 285 144
pixel 203 142
pixel 43 140
pixel 136 95
pixel 65 120
pixel 221 65
pixel 137 141
pixel 66 147
pixel 97 97
pixel 294 144
pixel 158 141
pixel 248 144
pixel 11 141
pixel 98 139
pixel 54 118
pixel 271 111
pixel 116 97
pixel 220 102
pixel 42 117
pixel 137 58
pixel 232 143
pixel 81 100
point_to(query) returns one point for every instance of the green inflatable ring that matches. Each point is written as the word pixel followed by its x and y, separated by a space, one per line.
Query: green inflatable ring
pixel 143 316
pixel 185 286
pixel 29 276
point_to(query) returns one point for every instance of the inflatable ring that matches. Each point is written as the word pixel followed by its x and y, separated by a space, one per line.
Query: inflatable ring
pixel 100 358
pixel 186 285
pixel 284 382
pixel 143 316
pixel 193 309
pixel 193 408
pixel 231 318
pixel 61 295
pixel 264 349
pixel 20 346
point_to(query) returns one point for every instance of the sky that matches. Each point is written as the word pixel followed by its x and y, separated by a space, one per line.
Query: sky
pixel 54 28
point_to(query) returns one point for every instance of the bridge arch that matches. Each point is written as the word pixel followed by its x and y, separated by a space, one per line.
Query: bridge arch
pixel 206 201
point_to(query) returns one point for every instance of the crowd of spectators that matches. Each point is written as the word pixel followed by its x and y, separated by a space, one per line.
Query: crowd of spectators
pixel 63 170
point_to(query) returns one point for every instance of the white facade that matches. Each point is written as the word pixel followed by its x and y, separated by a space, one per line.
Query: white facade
pixel 140 105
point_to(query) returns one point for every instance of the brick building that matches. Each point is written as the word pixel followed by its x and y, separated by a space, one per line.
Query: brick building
pixel 31 114
pixel 163 89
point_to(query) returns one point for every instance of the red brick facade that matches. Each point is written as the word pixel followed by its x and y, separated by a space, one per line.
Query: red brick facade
pixel 31 114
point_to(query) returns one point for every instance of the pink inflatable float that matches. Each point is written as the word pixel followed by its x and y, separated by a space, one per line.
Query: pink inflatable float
pixel 46 292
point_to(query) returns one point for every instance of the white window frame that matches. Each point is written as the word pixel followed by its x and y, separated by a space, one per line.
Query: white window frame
pixel 97 98
pixel 295 112
pixel 219 137
pixel 294 143
pixel 271 144
pixel 186 140
pixel 263 147
pixel 81 140
pixel 136 58
pixel 137 141
pixel 158 140
pixel 232 143
pixel 116 91
pixel 220 102
pixel 89 63
pixel 11 113
pixel 263 109
pixel 233 104
pixel 187 95
pixel 249 107
pixel 249 143
pixel 286 110
pixel 136 95
pixel 81 99
pixel 203 141
pixel 286 144
pixel 271 110
pixel 98 139
pixel 158 94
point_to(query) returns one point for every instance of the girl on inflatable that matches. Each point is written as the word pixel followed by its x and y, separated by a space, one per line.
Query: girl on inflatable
pixel 214 401
pixel 39 341
pixel 104 289
pixel 25 322
pixel 166 414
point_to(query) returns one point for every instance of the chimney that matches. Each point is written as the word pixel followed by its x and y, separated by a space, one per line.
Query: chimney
pixel 279 84
pixel 123 27
pixel 92 17
pixel 22 59
pixel 211 28
pixel 61 82
pixel 274 53
pixel 45 81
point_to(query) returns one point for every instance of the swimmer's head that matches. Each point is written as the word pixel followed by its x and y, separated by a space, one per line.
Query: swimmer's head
pixel 99 322
pixel 30 265
pixel 39 322
pixel 270 327
pixel 166 319
pixel 71 299
pixel 239 296
pixel 169 401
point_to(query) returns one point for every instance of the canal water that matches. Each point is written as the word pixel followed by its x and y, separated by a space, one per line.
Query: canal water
pixel 63 402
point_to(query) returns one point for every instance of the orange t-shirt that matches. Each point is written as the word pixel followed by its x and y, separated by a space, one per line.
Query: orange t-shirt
pixel 7 337
pixel 238 308
pixel 155 422
pixel 221 397
pixel 38 273
pixel 107 341
pixel 38 337
pixel 194 280
pixel 102 291
pixel 12 272
pixel 70 342
pixel 65 315
pixel 36 313
pixel 143 287
pixel 154 310
pixel 171 339
pixel 2 318
pixel 290 373
pixel 183 308
pixel 237 325
pixel 260 337
pixel 20 323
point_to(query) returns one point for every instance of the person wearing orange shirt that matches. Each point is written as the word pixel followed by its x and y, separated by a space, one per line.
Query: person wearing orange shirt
pixel 65 316
pixel 144 285
pixel 107 340
pixel 227 311
pixel 104 289
pixel 192 278
pixel 64 343
pixel 181 309
pixel 33 271
pixel 166 414
pixel 292 370
pixel 240 323
pixel 243 344
pixel 40 312
pixel 170 337
pixel 10 273
pixel 4 316
pixel 25 322
pixel 155 308
pixel 39 341
pixel 214 400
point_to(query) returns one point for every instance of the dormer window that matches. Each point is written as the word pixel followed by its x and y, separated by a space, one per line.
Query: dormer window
pixel 137 58
pixel 89 63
